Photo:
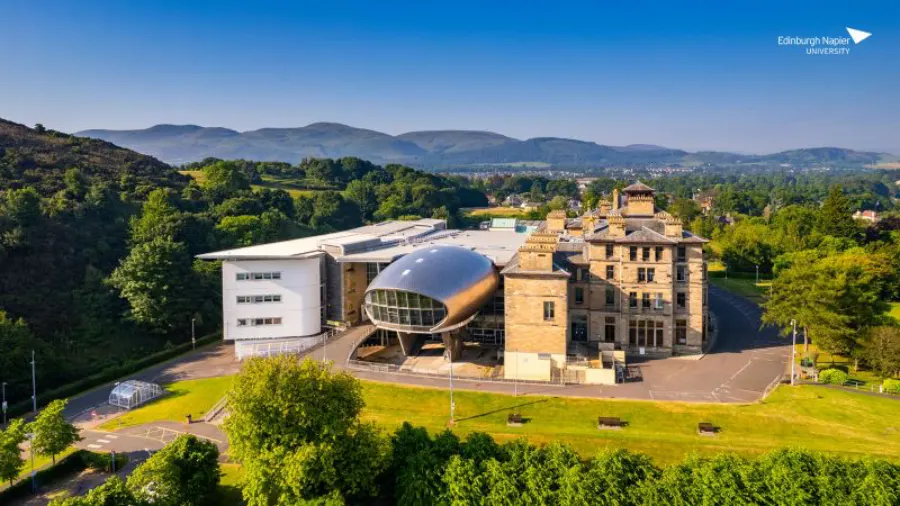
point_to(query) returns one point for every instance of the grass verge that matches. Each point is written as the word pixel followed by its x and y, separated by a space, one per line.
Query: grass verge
pixel 805 416
pixel 748 288
pixel 192 397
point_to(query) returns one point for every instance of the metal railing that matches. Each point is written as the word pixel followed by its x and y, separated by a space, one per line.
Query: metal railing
pixel 217 408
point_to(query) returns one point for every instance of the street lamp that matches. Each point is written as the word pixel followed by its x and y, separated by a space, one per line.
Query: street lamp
pixel 793 349
pixel 757 274
pixel 33 385
pixel 193 334
pixel 450 354
pixel 4 403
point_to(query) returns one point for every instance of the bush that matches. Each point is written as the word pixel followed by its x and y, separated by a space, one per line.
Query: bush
pixel 891 386
pixel 103 461
pixel 833 377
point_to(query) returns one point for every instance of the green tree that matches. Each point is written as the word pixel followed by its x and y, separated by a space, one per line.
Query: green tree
pixel 363 194
pixel 184 473
pixel 11 461
pixel 224 179
pixel 686 209
pixel 113 492
pixel 52 432
pixel 157 281
pixel 295 427
pixel 558 203
pixel 881 350
pixel 836 215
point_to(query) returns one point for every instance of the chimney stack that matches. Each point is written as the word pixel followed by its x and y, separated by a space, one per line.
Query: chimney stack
pixel 615 199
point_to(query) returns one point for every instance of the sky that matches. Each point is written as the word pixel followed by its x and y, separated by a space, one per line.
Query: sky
pixel 704 75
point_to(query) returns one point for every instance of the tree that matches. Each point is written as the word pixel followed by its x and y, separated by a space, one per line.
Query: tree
pixel 52 432
pixel 11 461
pixel 881 350
pixel 184 473
pixel 113 492
pixel 296 429
pixel 363 194
pixel 157 281
pixel 836 216
pixel 686 209
pixel 224 179
pixel 558 203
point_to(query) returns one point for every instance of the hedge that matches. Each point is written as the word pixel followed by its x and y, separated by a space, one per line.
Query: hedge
pixel 71 463
pixel 891 386
pixel 109 374
pixel 833 377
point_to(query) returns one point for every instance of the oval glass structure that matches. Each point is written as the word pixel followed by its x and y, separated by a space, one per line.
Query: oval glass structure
pixel 437 288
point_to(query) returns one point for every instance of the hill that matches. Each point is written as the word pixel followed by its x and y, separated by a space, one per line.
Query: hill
pixel 40 158
pixel 438 148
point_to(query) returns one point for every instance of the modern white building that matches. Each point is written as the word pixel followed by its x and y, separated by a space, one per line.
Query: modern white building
pixel 283 295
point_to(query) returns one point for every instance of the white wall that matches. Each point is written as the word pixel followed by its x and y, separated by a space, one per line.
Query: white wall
pixel 300 306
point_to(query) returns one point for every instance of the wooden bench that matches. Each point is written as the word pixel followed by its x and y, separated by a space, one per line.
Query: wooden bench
pixel 707 429
pixel 610 422
pixel 514 420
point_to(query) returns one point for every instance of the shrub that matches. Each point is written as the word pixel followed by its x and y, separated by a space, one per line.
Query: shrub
pixel 833 377
pixel 891 386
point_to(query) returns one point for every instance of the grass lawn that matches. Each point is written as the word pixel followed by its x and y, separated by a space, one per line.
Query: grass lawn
pixel 826 360
pixel 805 416
pixel 229 492
pixel 192 397
pixel 40 461
pixel 895 311
pixel 197 175
pixel 745 287
pixel 486 213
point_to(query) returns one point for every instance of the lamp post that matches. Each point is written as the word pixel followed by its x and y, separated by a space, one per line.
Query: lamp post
pixel 793 349
pixel 193 334
pixel 757 274
pixel 452 405
pixel 4 403
pixel 33 385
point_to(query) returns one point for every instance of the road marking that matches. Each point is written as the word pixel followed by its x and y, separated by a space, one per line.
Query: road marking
pixel 93 446
pixel 735 375
pixel 112 436
pixel 103 440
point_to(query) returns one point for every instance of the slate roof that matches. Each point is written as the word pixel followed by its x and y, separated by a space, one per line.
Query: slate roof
pixel 637 187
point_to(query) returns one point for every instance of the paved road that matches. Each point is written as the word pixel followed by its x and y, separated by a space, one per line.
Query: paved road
pixel 744 362
pixel 208 361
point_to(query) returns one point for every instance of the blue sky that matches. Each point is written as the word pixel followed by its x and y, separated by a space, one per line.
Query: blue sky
pixel 706 75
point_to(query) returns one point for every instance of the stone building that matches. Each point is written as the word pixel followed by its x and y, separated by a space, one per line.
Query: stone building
pixel 567 297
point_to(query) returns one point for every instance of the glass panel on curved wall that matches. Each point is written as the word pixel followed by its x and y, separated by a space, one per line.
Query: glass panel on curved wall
pixel 401 308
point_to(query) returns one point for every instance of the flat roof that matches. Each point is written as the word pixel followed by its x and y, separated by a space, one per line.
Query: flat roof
pixel 382 242
pixel 498 246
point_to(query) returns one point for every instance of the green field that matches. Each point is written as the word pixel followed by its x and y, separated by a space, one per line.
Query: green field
pixel 895 311
pixel 744 287
pixel 487 213
pixel 809 417
pixel 192 397
pixel 197 175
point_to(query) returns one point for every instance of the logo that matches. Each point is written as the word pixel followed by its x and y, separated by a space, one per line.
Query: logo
pixel 827 45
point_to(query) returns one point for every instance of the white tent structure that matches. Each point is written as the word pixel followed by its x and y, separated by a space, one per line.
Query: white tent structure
pixel 132 393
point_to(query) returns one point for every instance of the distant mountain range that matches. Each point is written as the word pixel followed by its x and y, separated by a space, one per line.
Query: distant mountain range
pixel 177 144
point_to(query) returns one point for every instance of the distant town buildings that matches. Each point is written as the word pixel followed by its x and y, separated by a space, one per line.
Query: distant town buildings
pixel 870 216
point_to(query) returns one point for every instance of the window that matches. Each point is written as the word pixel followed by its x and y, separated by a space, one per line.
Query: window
pixel 609 251
pixel 609 331
pixel 610 272
pixel 659 253
pixel 645 333
pixel 682 254
pixel 680 274
pixel 257 276
pixel 645 254
pixel 645 300
pixel 632 299
pixel 579 295
pixel 680 331
pixel 257 299
pixel 681 300
pixel 651 274
pixel 632 253
pixel 610 296
pixel 258 322
pixel 549 311
pixel 585 275
pixel 642 275
pixel 372 270
pixel 658 304
pixel 580 328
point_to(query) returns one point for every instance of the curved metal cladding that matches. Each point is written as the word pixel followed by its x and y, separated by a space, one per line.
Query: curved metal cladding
pixel 459 279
